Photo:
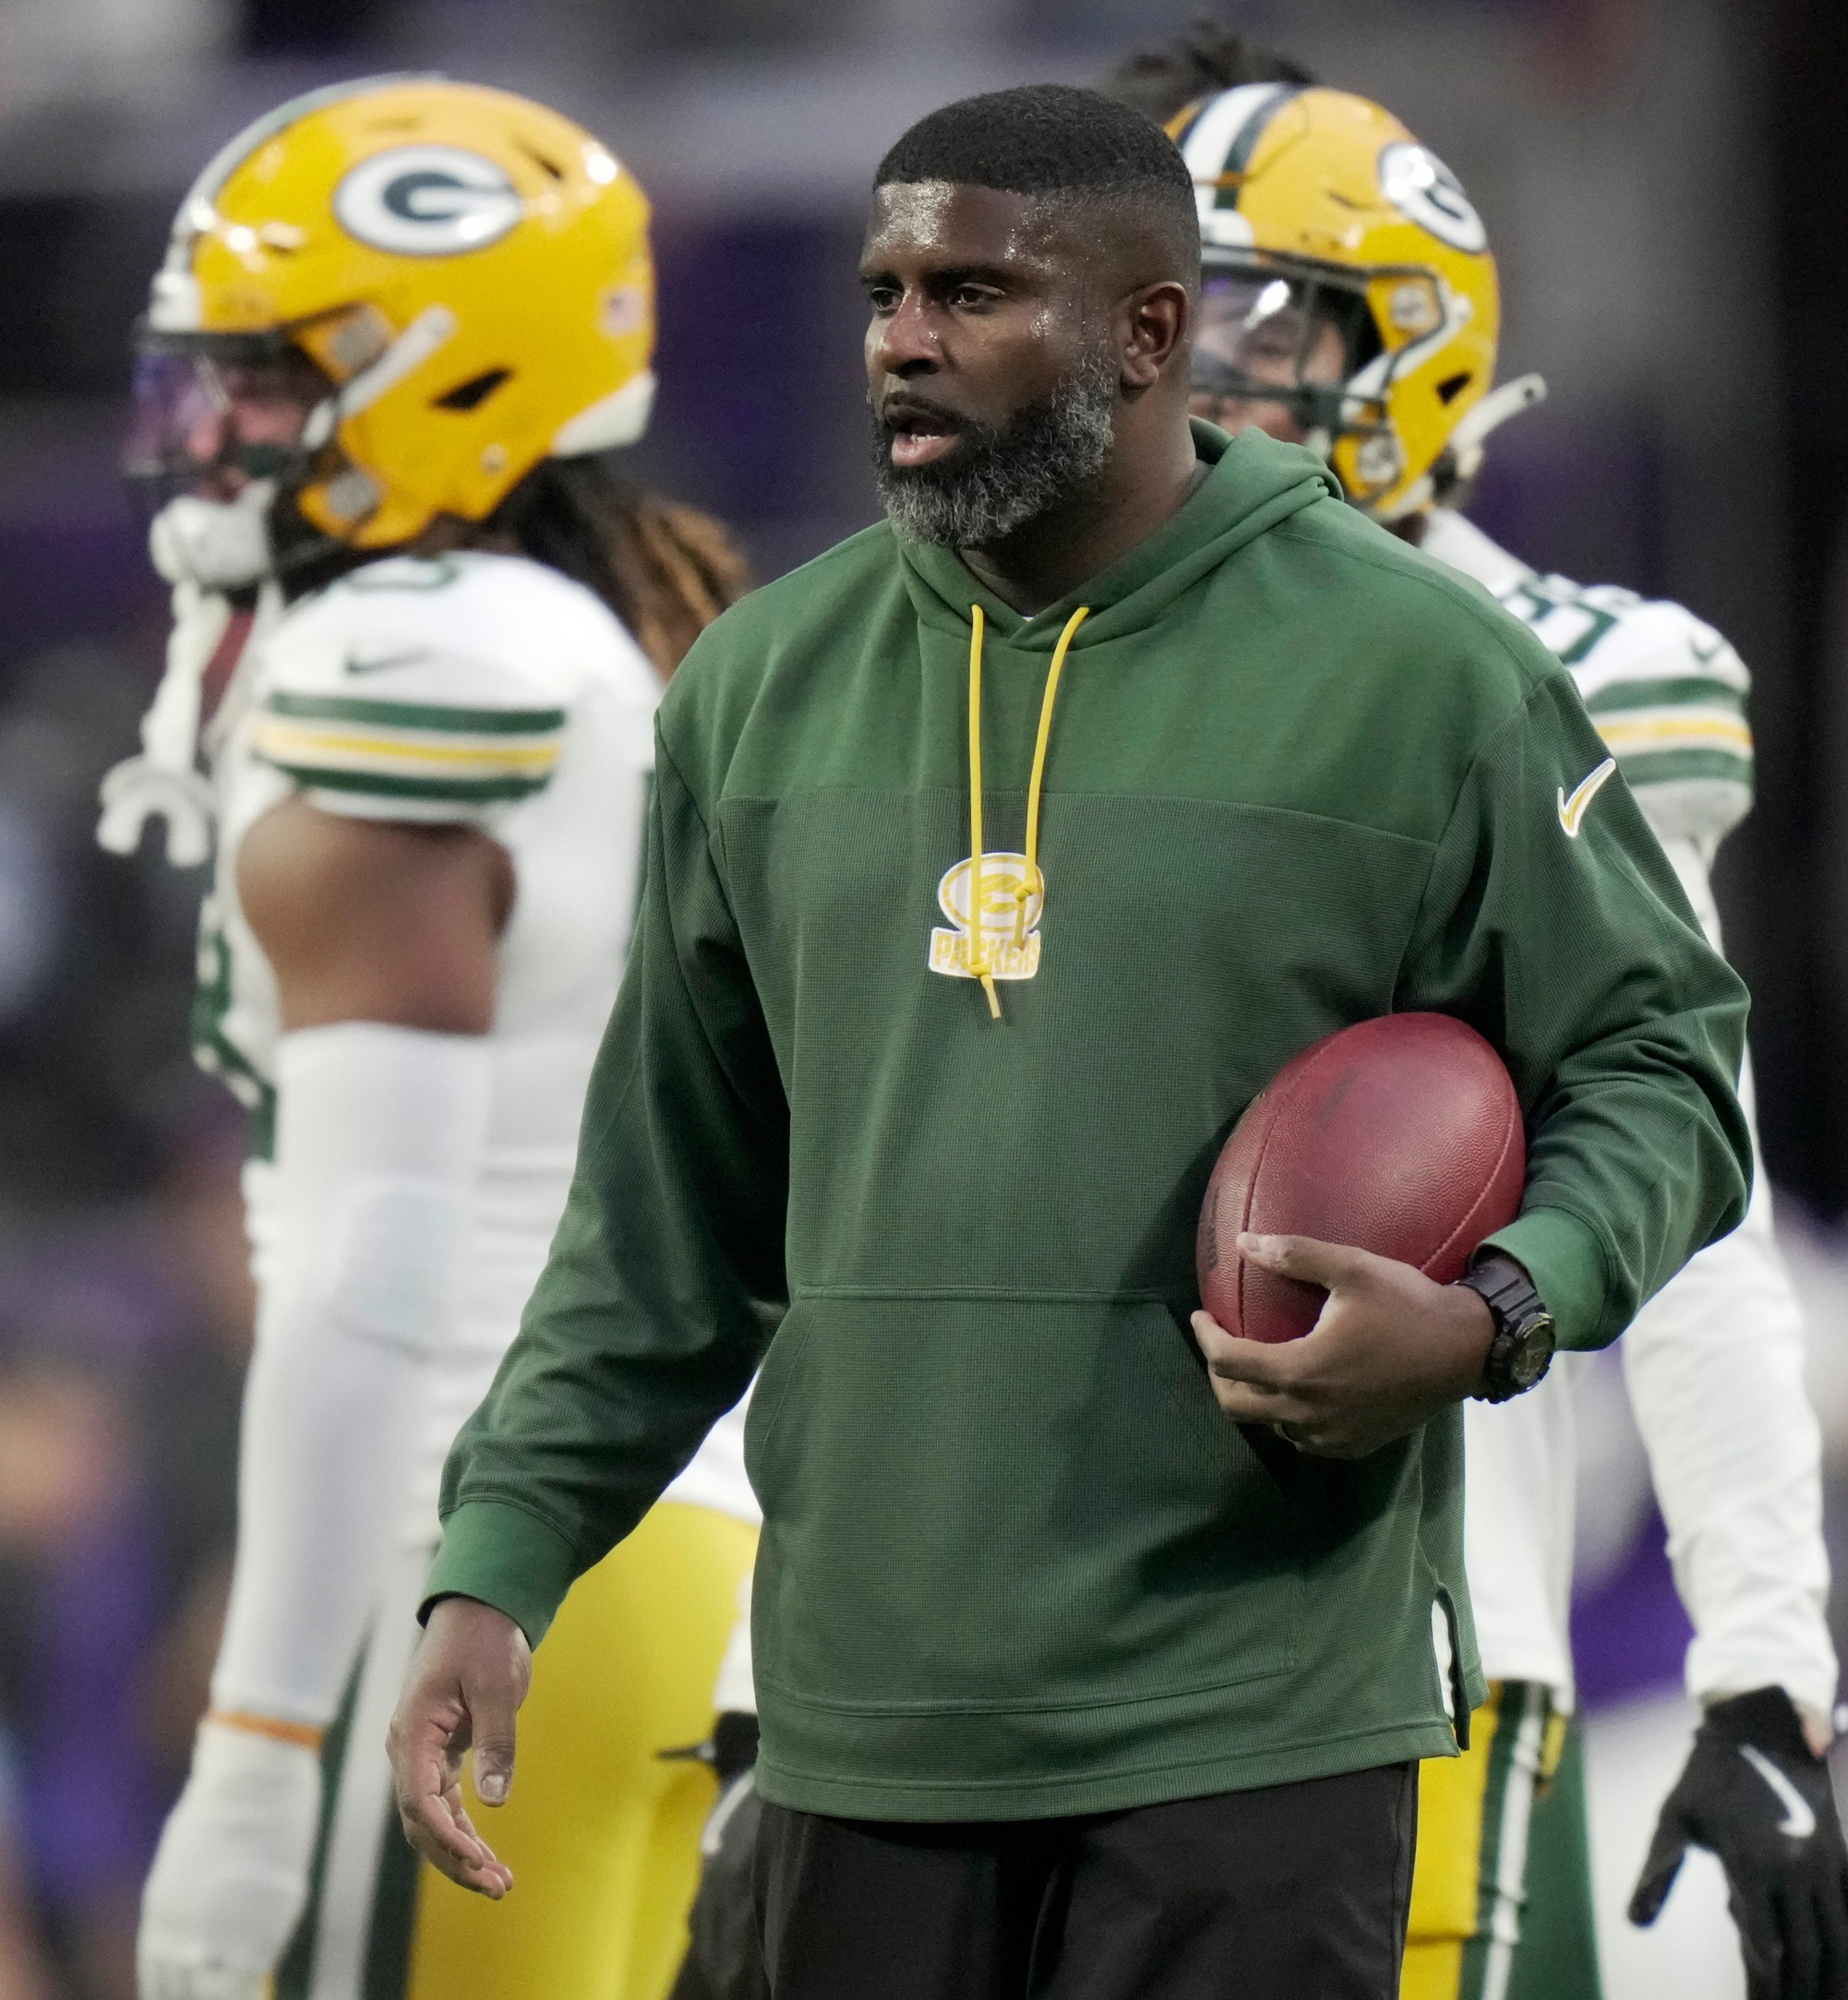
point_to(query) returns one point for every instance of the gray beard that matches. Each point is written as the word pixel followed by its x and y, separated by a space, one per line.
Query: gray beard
pixel 1003 477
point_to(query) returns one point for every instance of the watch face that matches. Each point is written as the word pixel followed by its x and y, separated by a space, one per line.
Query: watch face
pixel 1531 1352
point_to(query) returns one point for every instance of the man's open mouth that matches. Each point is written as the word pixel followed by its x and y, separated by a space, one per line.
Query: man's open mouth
pixel 920 435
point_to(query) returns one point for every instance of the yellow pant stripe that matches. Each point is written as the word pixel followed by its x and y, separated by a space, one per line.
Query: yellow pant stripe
pixel 1470 1880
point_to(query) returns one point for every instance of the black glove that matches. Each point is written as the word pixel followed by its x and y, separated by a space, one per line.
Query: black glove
pixel 1753 1794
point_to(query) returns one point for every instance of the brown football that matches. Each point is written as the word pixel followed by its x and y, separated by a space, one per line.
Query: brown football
pixel 1401 1136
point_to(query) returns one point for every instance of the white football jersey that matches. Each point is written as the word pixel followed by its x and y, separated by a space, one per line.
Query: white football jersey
pixel 489 691
pixel 1666 691
pixel 1714 1360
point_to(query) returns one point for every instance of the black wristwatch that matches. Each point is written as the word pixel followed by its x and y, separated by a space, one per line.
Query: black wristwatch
pixel 1521 1351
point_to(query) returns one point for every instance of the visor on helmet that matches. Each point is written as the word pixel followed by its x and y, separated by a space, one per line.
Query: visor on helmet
pixel 212 412
pixel 1280 331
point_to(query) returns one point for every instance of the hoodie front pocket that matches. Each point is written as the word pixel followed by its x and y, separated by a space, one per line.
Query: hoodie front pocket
pixel 992 1501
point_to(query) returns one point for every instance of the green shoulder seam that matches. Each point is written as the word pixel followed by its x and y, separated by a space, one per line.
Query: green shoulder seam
pixel 1533 666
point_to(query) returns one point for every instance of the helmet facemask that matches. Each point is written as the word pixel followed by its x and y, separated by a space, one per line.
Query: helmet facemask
pixel 1285 337
pixel 222 441
pixel 1304 336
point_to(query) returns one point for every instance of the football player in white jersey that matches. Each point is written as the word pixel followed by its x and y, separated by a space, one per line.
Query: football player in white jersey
pixel 1350 302
pixel 397 321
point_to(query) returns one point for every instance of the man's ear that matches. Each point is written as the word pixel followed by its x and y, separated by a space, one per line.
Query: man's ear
pixel 1152 324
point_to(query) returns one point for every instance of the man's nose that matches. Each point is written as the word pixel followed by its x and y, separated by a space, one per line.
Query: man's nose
pixel 206 435
pixel 905 343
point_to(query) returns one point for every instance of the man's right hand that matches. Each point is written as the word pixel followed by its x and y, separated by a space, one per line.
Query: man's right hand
pixel 467 1679
pixel 1390 1349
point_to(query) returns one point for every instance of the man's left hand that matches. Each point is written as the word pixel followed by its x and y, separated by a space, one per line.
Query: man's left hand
pixel 1756 1793
pixel 1390 1348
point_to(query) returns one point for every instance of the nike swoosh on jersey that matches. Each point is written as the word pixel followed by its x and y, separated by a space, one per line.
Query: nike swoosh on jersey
pixel 1572 810
pixel 1799 1821
pixel 385 659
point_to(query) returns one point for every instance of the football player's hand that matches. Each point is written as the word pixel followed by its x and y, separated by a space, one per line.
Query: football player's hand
pixel 1756 1794
pixel 231 1875
pixel 468 1677
pixel 1391 1348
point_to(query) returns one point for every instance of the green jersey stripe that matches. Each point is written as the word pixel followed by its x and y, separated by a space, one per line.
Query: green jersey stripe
pixel 1670 767
pixel 1515 1755
pixel 213 1049
pixel 454 791
pixel 494 722
pixel 1690 691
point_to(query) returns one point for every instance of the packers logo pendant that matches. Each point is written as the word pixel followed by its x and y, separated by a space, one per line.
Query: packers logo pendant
pixel 1004 941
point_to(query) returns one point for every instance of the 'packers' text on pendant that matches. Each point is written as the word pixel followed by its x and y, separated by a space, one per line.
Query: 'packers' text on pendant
pixel 1004 941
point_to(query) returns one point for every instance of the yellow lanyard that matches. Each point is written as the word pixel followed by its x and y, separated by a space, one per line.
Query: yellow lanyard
pixel 978 957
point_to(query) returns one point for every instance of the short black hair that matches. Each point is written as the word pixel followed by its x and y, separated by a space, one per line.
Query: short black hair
pixel 1050 140
pixel 1204 59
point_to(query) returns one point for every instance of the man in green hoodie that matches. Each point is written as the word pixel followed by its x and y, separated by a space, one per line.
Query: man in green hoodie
pixel 1070 1685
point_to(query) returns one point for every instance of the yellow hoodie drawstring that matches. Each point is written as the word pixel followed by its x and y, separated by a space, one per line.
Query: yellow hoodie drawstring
pixel 978 957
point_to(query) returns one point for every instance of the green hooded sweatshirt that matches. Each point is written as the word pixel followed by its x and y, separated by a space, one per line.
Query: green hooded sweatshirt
pixel 1015 1561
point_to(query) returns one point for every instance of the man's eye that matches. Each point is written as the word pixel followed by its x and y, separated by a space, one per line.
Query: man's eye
pixel 882 298
pixel 969 297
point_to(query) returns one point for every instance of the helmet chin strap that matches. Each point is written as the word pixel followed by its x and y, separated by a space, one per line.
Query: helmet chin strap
pixel 203 549
pixel 215 544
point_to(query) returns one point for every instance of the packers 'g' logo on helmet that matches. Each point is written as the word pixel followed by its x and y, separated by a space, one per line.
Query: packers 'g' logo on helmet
pixel 465 273
pixel 427 201
pixel 1347 277
pixel 1425 190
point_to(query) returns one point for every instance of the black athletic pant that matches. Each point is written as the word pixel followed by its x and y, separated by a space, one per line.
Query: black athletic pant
pixel 1295 1892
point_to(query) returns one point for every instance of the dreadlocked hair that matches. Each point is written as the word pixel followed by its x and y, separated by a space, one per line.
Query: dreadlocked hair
pixel 665 569
pixel 1204 59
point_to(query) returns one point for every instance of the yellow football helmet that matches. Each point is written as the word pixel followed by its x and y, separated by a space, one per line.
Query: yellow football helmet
pixel 469 273
pixel 1347 276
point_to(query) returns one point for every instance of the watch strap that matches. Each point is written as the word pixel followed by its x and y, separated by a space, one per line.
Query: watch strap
pixel 1519 1317
pixel 1503 1286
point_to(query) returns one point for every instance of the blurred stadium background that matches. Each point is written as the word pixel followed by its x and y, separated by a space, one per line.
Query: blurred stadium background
pixel 1662 180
